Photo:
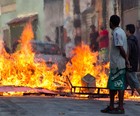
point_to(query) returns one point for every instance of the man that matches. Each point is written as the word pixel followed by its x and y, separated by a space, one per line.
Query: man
pixel 133 54
pixel 103 41
pixel 137 34
pixel 93 39
pixel 118 61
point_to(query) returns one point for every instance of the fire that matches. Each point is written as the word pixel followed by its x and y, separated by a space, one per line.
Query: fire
pixel 86 62
pixel 19 68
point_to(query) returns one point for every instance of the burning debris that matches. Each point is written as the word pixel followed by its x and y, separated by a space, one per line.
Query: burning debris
pixel 20 69
pixel 83 63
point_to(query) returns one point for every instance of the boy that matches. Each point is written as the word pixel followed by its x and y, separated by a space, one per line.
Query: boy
pixel 133 55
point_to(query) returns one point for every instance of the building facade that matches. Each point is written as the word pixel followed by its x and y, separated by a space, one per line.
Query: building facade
pixel 15 14
pixel 130 11
pixel 56 18
pixel 7 12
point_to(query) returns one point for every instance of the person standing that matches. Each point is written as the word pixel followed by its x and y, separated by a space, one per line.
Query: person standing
pixel 94 46
pixel 133 54
pixel 137 34
pixel 118 61
pixel 69 47
pixel 103 41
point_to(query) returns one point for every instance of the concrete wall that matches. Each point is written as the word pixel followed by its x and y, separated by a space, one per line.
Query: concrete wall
pixel 5 2
pixel 27 7
pixel 130 16
pixel 53 17
pixel 6 18
pixel 8 12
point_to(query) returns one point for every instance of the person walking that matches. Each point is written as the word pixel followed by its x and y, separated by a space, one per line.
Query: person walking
pixel 133 55
pixel 118 62
pixel 137 34
pixel 103 41
pixel 94 46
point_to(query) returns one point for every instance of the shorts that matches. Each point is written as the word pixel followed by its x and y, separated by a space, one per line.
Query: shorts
pixel 117 79
pixel 132 80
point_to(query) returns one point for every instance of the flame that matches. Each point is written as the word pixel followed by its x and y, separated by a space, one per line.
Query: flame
pixel 86 62
pixel 19 68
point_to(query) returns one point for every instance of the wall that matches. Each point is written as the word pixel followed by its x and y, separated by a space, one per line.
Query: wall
pixel 68 19
pixel 53 17
pixel 8 12
pixel 27 7
pixel 130 16
pixel 5 2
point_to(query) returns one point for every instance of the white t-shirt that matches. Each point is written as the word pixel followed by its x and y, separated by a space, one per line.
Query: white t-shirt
pixel 118 39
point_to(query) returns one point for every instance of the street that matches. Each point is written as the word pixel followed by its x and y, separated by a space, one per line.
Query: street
pixel 56 106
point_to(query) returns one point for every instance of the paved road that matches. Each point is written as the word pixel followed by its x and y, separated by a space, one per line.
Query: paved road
pixel 47 106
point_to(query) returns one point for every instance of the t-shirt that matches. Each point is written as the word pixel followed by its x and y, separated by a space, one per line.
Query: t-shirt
pixel 104 43
pixel 118 39
pixel 137 34
pixel 133 51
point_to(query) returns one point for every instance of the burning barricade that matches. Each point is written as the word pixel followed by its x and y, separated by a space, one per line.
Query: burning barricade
pixel 84 72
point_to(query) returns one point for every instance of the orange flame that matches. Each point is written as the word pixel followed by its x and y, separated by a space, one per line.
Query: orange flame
pixel 19 69
pixel 86 62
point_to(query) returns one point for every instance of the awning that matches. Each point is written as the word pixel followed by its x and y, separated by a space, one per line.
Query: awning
pixel 18 20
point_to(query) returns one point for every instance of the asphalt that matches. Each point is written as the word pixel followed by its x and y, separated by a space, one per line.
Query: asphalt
pixel 61 106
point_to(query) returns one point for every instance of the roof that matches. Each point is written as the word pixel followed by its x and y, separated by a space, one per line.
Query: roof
pixel 18 20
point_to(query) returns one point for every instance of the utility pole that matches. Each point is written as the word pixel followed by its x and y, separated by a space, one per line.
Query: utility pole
pixel 77 22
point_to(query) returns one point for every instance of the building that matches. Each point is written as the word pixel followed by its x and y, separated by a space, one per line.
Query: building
pixel 98 12
pixel 47 19
pixel 15 14
pixel 130 11
pixel 7 12
pixel 56 18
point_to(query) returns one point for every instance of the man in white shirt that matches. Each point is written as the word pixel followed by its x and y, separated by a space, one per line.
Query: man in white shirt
pixel 118 61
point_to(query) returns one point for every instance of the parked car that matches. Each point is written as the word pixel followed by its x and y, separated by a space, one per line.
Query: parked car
pixel 51 53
